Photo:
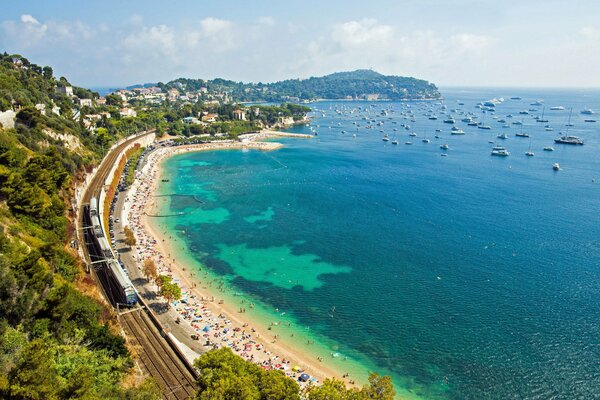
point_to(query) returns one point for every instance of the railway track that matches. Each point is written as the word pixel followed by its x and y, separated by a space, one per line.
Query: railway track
pixel 157 356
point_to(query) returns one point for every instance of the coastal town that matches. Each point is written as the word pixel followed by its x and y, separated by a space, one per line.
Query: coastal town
pixel 314 201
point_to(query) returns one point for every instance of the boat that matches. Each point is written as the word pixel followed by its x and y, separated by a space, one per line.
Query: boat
pixel 589 120
pixel 548 148
pixel 502 136
pixel 515 98
pixel 536 103
pixel 449 121
pixel 385 138
pixel 425 140
pixel 444 147
pixel 407 142
pixel 587 111
pixel 412 134
pixel 557 108
pixel 433 117
pixel 500 151
pixel 457 131
pixel 394 141
pixel 521 134
pixel 484 127
pixel 569 139
pixel 538 119
pixel 565 139
pixel 529 153
pixel 556 166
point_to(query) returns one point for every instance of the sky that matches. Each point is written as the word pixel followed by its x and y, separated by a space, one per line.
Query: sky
pixel 526 43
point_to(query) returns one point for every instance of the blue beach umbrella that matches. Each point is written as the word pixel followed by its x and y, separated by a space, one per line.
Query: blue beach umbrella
pixel 206 328
pixel 304 377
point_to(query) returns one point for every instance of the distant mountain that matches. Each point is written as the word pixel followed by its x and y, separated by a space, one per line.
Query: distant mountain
pixel 361 84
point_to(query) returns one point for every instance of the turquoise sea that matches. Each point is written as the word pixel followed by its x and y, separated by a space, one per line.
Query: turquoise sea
pixel 464 276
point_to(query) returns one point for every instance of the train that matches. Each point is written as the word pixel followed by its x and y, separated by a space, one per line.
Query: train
pixel 112 275
pixel 105 247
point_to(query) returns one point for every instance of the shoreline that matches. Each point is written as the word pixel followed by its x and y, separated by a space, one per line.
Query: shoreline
pixel 272 349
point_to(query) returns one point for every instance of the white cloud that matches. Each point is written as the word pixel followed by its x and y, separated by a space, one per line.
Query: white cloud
pixel 133 51
pixel 360 33
pixel 267 21
pixel 589 32
pixel 215 26
pixel 29 19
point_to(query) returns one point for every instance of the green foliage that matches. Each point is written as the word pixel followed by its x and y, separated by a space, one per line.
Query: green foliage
pixel 379 388
pixel 356 84
pixel 54 343
pixel 224 375
pixel 167 288
pixel 133 160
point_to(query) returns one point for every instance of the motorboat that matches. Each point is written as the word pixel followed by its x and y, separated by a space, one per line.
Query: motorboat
pixel 500 151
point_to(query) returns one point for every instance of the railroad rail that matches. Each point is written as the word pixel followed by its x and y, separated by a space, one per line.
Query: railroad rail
pixel 158 356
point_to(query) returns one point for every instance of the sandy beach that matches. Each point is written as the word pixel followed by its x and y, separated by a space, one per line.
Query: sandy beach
pixel 203 308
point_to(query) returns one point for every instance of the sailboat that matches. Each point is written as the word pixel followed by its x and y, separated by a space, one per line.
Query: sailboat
pixel 529 153
pixel 566 138
pixel 542 118
pixel 521 134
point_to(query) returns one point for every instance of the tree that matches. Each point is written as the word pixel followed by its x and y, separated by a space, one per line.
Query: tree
pixel 149 269
pixel 129 237
pixel 114 100
pixel 379 387
pixel 47 72
pixel 168 289
pixel 224 375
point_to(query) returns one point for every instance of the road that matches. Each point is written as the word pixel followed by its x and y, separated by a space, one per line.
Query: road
pixel 157 357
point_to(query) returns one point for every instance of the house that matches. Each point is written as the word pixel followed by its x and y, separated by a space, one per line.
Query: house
pixel 68 90
pixel 101 101
pixel 210 117
pixel 7 118
pixel 56 110
pixel 191 120
pixel 172 94
pixel 85 102
pixel 128 112
pixel 239 114
pixel 41 108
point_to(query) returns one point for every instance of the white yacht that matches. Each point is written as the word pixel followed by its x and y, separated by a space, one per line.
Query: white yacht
pixel 500 151
pixel 556 166
pixel 457 131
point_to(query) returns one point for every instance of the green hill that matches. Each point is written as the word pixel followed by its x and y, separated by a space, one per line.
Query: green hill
pixel 357 85
pixel 57 340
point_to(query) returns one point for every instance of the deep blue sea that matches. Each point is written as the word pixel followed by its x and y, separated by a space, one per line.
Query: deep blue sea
pixel 464 276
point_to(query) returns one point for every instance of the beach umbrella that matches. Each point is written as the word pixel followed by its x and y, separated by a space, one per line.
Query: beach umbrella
pixel 304 377
pixel 295 368
pixel 206 328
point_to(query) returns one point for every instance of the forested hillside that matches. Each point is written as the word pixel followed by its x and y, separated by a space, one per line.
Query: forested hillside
pixel 56 337
pixel 355 85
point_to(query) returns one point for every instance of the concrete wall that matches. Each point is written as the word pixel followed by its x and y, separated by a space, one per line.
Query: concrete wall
pixel 7 118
